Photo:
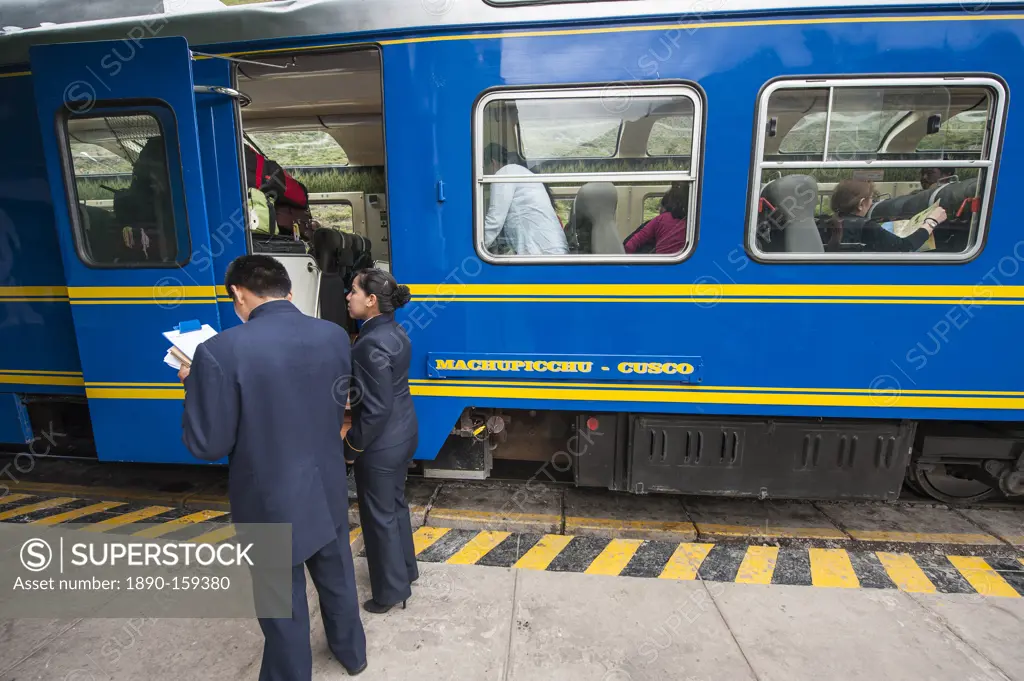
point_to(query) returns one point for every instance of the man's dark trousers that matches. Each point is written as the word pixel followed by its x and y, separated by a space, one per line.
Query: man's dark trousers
pixel 286 654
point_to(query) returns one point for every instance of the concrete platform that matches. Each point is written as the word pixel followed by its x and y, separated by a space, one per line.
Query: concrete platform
pixel 512 508
pixel 472 622
pixel 849 635
pixel 723 519
pixel 905 524
pixel 152 649
pixel 1007 524
pixel 608 629
pixel 607 514
pixel 993 632
pixel 456 626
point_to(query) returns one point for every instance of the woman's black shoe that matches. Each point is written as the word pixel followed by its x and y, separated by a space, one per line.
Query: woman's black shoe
pixel 375 607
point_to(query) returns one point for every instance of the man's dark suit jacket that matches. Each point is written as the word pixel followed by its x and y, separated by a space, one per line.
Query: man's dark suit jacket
pixel 270 395
pixel 382 411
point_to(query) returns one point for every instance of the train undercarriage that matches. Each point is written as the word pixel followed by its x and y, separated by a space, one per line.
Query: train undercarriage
pixel 783 458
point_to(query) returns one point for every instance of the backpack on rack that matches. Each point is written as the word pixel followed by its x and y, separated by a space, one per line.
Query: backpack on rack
pixel 270 178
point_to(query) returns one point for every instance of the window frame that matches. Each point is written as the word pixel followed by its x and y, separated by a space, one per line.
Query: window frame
pixel 989 162
pixel 664 88
pixel 119 108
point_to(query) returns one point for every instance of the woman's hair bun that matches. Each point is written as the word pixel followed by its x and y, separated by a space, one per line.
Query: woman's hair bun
pixel 401 296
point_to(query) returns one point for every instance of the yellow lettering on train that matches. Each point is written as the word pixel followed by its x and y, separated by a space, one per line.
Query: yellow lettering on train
pixel 554 366
pixel 655 368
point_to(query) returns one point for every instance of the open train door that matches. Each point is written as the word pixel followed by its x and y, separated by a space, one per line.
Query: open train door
pixel 130 242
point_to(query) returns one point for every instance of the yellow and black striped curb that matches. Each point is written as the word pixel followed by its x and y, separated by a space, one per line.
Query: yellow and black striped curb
pixel 1001 576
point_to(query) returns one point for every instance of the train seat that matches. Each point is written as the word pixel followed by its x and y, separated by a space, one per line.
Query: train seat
pixel 794 198
pixel 331 251
pixel 104 238
pixel 361 256
pixel 595 207
pixel 951 196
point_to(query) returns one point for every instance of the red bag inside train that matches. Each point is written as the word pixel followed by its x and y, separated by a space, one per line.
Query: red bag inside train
pixel 270 178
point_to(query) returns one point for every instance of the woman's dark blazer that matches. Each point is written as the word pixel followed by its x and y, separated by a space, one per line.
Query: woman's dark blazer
pixel 382 409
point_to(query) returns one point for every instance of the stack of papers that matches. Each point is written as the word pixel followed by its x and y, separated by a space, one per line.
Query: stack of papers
pixel 183 345
pixel 904 228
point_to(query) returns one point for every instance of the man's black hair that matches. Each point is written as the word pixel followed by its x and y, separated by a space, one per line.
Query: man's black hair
pixel 495 153
pixel 261 274
pixel 498 153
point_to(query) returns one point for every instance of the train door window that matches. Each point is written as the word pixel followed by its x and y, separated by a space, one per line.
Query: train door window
pixel 127 203
pixel 886 169
pixel 561 174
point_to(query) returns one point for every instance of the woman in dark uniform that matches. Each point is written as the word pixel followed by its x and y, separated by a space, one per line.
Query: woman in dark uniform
pixel 383 436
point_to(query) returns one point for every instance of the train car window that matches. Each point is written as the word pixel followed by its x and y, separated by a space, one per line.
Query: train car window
pixel 670 136
pixel 963 132
pixel 569 174
pixel 125 206
pixel 301 148
pixel 887 169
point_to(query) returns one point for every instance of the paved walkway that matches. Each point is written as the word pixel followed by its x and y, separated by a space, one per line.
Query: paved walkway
pixel 492 623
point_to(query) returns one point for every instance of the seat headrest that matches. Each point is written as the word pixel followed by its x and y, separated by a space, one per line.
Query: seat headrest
pixel 595 207
pixel 327 244
pixel 594 200
pixel 793 196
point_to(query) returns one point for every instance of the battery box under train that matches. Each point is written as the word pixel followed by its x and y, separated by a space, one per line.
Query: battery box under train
pixel 736 456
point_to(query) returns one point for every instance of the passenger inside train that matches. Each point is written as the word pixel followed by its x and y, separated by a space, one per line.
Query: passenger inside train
pixel 521 214
pixel 665 233
pixel 889 169
pixel 605 160
pixel 848 224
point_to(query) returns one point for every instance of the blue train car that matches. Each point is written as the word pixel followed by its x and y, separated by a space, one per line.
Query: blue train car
pixel 775 253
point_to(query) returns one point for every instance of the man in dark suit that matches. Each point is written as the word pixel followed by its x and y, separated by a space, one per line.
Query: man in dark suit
pixel 270 395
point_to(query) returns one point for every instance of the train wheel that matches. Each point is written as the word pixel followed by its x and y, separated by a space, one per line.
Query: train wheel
pixel 936 482
pixel 911 482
